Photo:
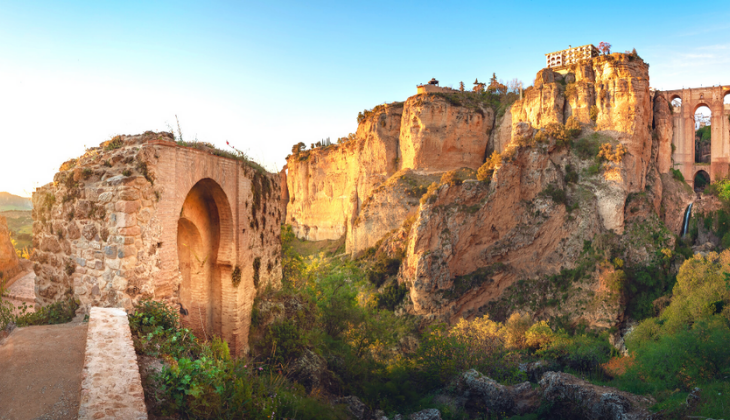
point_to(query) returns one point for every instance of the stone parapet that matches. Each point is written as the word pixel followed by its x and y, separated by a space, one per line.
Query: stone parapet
pixel 111 387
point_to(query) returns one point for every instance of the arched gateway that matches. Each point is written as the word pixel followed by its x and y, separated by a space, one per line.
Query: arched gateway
pixel 204 241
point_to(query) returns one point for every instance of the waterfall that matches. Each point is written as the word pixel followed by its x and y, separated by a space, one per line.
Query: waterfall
pixel 685 226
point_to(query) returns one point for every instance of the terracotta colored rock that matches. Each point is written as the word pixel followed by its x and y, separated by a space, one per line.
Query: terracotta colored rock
pixel 326 186
pixel 437 136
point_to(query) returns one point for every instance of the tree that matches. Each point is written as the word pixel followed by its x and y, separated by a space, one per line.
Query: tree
pixel 298 148
pixel 604 47
pixel 461 86
pixel 515 85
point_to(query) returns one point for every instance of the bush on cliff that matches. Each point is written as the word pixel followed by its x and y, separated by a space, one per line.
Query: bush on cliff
pixel 486 171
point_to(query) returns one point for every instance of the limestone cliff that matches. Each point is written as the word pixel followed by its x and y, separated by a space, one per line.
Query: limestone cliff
pixel 615 88
pixel 540 236
pixel 663 129
pixel 444 132
pixel 327 185
pixel 506 246
pixel 332 188
pixel 9 263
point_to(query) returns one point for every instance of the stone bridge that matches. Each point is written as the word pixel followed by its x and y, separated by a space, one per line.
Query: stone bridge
pixel 683 127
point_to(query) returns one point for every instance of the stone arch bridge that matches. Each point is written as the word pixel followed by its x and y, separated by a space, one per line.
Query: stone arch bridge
pixel 683 131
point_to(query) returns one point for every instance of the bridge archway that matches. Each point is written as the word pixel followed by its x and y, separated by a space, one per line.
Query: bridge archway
pixel 713 155
pixel 703 133
pixel 701 180
pixel 204 243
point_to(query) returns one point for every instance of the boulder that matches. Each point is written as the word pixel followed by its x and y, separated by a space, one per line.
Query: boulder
pixel 356 407
pixel 428 414
pixel 483 392
pixel 575 398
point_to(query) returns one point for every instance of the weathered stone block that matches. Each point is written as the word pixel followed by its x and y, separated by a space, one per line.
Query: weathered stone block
pixel 127 206
pixel 130 231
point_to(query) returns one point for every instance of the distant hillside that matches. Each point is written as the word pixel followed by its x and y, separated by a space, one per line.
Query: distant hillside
pixel 13 202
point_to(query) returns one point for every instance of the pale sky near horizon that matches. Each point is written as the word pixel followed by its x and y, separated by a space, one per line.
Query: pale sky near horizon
pixel 267 76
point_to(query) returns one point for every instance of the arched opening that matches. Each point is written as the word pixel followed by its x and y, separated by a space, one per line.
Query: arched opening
pixel 701 180
pixel 703 134
pixel 726 101
pixel 676 103
pixel 202 245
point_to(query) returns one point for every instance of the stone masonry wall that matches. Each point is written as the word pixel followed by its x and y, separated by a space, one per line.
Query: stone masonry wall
pixel 108 231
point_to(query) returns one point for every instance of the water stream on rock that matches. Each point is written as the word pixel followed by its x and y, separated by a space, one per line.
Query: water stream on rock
pixel 686 220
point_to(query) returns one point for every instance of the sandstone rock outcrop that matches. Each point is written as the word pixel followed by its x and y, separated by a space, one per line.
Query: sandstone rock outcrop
pixel 9 262
pixel 576 398
pixel 439 133
pixel 327 185
pixel 617 86
pixel 471 242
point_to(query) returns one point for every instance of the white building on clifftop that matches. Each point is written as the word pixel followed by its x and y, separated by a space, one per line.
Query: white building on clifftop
pixel 571 55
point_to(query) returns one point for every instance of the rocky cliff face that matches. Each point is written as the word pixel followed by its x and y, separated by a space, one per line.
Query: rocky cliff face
pixel 615 89
pixel 540 236
pixel 328 185
pixel 9 263
pixel 663 129
pixel 440 133
pixel 536 240
pixel 332 188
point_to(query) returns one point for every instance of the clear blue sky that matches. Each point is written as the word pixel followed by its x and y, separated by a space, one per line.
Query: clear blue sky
pixel 266 76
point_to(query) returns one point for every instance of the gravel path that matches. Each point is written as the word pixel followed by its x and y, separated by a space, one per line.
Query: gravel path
pixel 40 372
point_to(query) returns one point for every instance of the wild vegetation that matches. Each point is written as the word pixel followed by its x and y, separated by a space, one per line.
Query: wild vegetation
pixel 336 328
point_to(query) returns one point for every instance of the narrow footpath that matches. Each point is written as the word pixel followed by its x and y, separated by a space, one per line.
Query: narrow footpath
pixel 41 366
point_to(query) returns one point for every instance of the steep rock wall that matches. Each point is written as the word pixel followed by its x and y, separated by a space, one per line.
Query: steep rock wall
pixel 387 207
pixel 326 186
pixel 438 134
pixel 475 248
pixel 475 240
pixel 617 87
pixel 663 129
pixel 330 187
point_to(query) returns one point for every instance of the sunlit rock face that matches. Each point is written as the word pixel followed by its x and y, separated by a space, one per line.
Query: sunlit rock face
pixel 329 186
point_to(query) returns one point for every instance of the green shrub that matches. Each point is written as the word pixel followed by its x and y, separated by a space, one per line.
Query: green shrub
pixel 486 171
pixel 593 169
pixel 587 147
pixel 382 269
pixel 571 176
pixel 593 113
pixel 56 313
pixel 687 358
pixel 677 174
pixel 115 143
pixel 556 194
pixel 391 296
pixel 581 352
